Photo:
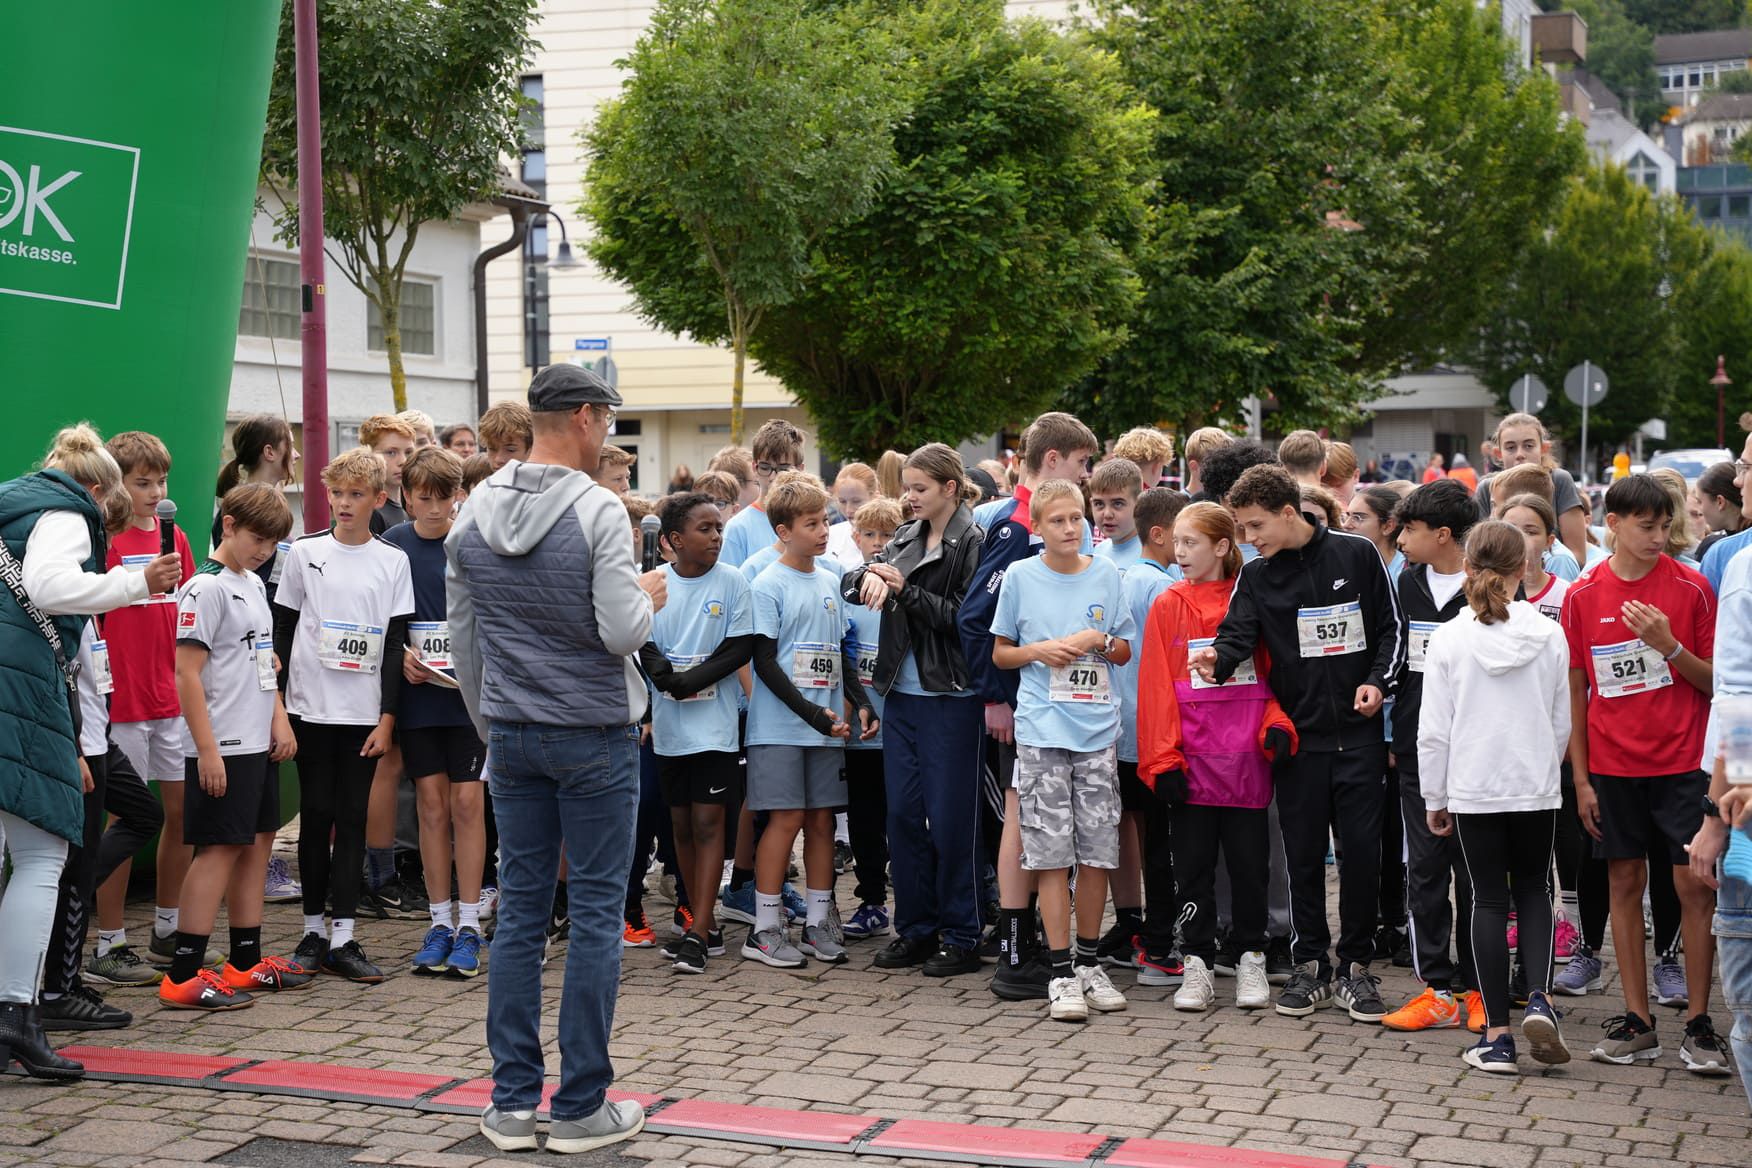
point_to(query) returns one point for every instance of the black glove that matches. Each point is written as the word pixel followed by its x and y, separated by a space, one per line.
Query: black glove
pixel 1171 788
pixel 1277 743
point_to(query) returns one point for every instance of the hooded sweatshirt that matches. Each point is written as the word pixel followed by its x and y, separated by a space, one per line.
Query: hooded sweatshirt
pixel 1496 714
pixel 544 601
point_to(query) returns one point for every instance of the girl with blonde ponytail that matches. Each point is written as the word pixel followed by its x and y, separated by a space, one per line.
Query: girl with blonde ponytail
pixel 1490 744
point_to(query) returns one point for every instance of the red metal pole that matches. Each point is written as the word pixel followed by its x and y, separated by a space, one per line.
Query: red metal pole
pixel 314 329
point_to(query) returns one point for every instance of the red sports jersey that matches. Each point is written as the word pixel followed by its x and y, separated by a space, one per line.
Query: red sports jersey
pixel 142 636
pixel 1643 718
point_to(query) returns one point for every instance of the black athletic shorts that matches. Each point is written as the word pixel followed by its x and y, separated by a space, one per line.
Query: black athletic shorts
pixel 712 776
pixel 1133 794
pixel 250 805
pixel 443 750
pixel 1640 815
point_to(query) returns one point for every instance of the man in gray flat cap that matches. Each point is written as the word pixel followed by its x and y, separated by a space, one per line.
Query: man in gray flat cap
pixel 546 611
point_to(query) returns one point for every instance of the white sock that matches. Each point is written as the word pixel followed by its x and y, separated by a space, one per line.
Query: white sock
pixel 108 939
pixel 1445 995
pixel 163 921
pixel 820 902
pixel 442 914
pixel 842 834
pixel 769 911
pixel 343 932
pixel 1566 905
pixel 315 924
pixel 468 915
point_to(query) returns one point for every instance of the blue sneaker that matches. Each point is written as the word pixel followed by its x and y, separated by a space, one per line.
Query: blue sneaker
pixel 465 954
pixel 737 905
pixel 871 920
pixel 1498 1058
pixel 434 951
pixel 1539 1028
pixel 795 906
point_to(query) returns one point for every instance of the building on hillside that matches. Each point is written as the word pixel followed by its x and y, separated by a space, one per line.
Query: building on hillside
pixel 1709 128
pixel 1720 195
pixel 1689 63
pixel 1614 138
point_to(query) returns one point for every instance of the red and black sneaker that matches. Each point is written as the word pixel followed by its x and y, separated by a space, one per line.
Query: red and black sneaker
pixel 204 991
pixel 270 973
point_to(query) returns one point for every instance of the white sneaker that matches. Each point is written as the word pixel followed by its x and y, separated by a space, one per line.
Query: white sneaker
pixel 1098 989
pixel 489 902
pixel 1252 987
pixel 1064 996
pixel 1198 988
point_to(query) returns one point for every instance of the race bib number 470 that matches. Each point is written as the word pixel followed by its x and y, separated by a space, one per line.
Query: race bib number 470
pixel 1083 680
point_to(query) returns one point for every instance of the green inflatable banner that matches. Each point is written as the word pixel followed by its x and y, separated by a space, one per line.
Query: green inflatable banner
pixel 130 144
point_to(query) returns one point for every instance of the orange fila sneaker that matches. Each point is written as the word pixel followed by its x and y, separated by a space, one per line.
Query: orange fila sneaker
pixel 1428 1011
pixel 270 973
pixel 204 991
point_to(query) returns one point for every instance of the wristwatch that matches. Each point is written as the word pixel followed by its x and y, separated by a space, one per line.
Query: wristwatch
pixel 1106 644
pixel 1710 810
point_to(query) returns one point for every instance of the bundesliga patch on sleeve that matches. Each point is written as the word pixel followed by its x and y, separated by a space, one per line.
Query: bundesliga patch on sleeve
pixel 185 620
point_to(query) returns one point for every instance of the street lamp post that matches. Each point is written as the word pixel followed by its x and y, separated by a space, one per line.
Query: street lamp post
pixel 1721 381
pixel 535 284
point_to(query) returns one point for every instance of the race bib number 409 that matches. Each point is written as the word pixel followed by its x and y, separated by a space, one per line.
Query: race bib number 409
pixel 350 648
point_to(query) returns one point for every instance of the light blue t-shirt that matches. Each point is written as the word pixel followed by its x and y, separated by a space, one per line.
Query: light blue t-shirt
pixel 865 637
pixel 748 531
pixel 1036 603
pixel 758 561
pixel 1559 561
pixel 1715 560
pixel 986 514
pixel 1141 584
pixel 802 611
pixel 700 614
pixel 1123 552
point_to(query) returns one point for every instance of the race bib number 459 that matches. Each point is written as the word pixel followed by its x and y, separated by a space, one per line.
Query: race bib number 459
pixel 815 665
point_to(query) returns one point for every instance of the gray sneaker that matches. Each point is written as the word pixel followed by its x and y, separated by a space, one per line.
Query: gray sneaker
pixel 1628 1040
pixel 818 942
pixel 121 966
pixel 509 1131
pixel 773 947
pixel 612 1123
pixel 1670 987
pixel 1580 976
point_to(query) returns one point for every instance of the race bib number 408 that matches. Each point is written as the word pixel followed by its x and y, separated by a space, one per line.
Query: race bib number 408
pixel 432 639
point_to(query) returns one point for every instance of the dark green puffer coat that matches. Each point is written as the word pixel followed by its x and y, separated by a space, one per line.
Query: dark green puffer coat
pixel 39 754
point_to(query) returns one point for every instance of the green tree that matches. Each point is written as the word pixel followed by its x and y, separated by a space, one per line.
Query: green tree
pixel 991 272
pixel 1665 16
pixel 1608 284
pixel 1715 319
pixel 746 129
pixel 1621 53
pixel 419 103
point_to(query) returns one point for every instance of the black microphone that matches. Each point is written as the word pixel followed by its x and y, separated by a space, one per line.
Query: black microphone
pixel 649 527
pixel 166 527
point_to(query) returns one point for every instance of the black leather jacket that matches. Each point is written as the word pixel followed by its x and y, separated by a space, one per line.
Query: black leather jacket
pixel 921 617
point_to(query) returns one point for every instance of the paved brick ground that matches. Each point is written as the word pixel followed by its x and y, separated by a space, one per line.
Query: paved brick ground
pixel 855 1039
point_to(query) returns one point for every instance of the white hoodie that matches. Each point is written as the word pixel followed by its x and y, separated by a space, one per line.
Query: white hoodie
pixel 1495 720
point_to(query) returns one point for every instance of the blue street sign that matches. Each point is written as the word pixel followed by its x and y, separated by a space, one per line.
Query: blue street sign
pixel 591 345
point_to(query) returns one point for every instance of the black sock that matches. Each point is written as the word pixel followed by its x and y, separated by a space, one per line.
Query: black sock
pixel 1086 951
pixel 246 947
pixel 1010 943
pixel 740 877
pixel 1061 962
pixel 1133 917
pixel 561 912
pixel 186 962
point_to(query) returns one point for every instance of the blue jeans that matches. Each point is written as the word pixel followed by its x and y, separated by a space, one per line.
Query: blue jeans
pixel 552 785
pixel 931 758
pixel 1733 931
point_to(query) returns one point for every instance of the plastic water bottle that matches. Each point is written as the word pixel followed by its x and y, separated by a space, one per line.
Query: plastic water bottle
pixel 1738 862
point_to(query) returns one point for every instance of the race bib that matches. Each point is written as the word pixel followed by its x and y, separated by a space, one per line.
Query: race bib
pixel 264 657
pixel 1331 631
pixel 138 564
pixel 688 661
pixel 100 668
pixel 432 639
pixel 866 663
pixel 1418 643
pixel 815 665
pixel 1629 667
pixel 1084 680
pixel 349 647
pixel 1244 674
pixel 284 549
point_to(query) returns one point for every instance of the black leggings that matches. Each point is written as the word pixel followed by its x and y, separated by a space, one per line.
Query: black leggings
pixel 1504 851
pixel 334 790
pixel 1244 834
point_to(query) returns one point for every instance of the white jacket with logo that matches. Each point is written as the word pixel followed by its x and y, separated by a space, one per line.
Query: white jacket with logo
pixel 1495 721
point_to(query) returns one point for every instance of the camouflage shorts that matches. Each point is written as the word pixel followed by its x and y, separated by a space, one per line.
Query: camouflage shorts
pixel 1069 807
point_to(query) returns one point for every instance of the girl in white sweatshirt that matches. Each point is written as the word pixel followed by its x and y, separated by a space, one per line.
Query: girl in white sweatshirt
pixel 1491 738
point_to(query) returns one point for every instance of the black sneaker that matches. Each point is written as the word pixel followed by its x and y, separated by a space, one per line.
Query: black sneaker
pixel 350 962
pixel 950 960
pixel 1119 945
pixel 1402 956
pixel 690 955
pixel 1305 992
pixel 1518 984
pixel 714 945
pixel 1026 982
pixel 83 1009
pixel 415 903
pixel 1359 992
pixel 842 857
pixel 901 953
pixel 1703 1051
pixel 1279 967
pixel 1226 960
pixel 991 945
pixel 373 903
pixel 312 951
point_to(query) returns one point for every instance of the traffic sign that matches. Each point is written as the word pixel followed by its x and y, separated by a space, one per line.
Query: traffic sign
pixel 1586 384
pixel 590 345
pixel 1528 395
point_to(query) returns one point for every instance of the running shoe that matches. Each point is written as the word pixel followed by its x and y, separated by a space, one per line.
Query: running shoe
pixel 681 923
pixel 871 920
pixel 951 961
pixel 310 952
pixel 415 904
pixel 609 1124
pixel 1497 1058
pixel 991 946
pixel 1539 1028
pixel 1703 1050
pixel 737 904
pixel 1166 969
pixel 1227 959
pixel 434 951
pixel 1252 988
pixel 1118 946
pixel 1474 1002
pixel 1670 989
pixel 1428 1011
pixel 1359 992
pixel 1518 984
pixel 638 933
pixel 905 952
pixel 121 966
pixel 842 857
pixel 1628 1039
pixel 509 1131
pixel 1099 992
pixel 204 991
pixel 1305 993
pixel 1390 940
pixel 818 941
pixel 350 962
pixel 773 947
pixel 270 973
pixel 714 945
pixel 1065 1002
pixel 163 949
pixel 465 954
pixel 795 906
pixel 1566 942
pixel 83 1008
pixel 688 956
pixel 1198 987
pixel 1279 965
pixel 1580 976
pixel 1024 982
pixel 280 886
pixel 489 901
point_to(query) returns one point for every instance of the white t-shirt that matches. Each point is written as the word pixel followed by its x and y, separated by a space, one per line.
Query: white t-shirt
pixel 1444 585
pixel 93 676
pixel 226 613
pixel 345 596
pixel 1550 602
